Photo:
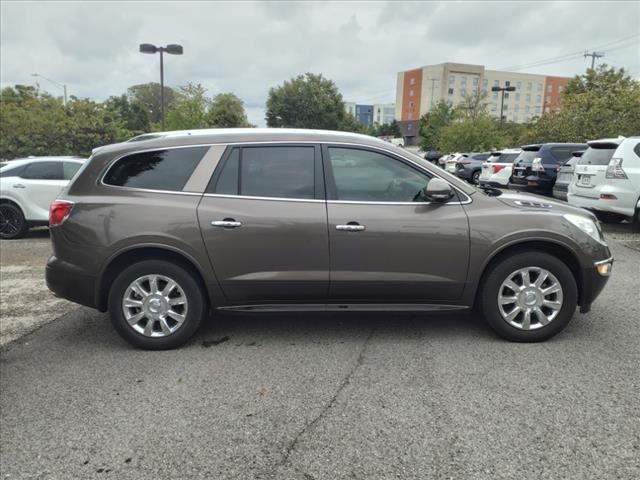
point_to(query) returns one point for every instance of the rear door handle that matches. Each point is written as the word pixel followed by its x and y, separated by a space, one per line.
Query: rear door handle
pixel 19 185
pixel 351 227
pixel 226 223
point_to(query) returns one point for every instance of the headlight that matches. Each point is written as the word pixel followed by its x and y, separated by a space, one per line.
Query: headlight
pixel 587 225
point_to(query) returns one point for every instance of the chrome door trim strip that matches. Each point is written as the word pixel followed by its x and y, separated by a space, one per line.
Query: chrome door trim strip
pixel 277 199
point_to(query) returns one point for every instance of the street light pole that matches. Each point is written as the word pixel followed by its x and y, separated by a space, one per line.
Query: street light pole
pixel 507 88
pixel 172 49
pixel 64 87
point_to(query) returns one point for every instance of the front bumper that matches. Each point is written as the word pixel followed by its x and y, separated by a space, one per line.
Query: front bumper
pixel 594 280
pixel 67 281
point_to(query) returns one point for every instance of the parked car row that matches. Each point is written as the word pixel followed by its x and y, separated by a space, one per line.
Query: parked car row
pixel 601 175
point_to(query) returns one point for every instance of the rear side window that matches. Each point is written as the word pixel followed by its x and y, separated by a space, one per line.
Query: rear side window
pixel 637 149
pixel 278 172
pixel 7 170
pixel 69 169
pixel 480 156
pixel 43 171
pixel 157 170
pixel 507 157
pixel 598 155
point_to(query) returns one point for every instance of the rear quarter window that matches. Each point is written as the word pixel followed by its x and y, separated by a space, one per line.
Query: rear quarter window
pixel 156 170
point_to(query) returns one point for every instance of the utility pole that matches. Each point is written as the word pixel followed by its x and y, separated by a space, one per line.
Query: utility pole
pixel 593 56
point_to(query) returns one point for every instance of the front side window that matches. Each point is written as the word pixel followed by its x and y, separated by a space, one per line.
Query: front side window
pixel 366 176
pixel 278 172
pixel 43 171
pixel 157 170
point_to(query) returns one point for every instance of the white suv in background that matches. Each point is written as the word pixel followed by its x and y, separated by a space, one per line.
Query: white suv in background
pixel 607 179
pixel 28 187
pixel 496 170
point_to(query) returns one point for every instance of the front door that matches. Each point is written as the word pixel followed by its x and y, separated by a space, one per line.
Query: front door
pixel 389 244
pixel 264 225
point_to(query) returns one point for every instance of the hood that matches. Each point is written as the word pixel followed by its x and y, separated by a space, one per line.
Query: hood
pixel 532 202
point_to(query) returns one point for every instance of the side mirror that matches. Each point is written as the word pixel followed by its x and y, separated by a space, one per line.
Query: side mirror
pixel 438 190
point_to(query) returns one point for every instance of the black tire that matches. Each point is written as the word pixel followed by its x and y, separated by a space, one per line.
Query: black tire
pixel 489 290
pixel 196 302
pixel 475 178
pixel 12 222
pixel 609 217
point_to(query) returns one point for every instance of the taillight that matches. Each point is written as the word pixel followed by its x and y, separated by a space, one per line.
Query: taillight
pixel 59 211
pixel 615 170
pixel 497 168
pixel 608 196
pixel 536 165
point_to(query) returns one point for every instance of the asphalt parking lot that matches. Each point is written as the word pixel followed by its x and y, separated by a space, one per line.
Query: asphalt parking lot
pixel 330 396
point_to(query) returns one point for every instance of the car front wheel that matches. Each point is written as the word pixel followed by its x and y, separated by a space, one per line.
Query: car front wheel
pixel 156 305
pixel 475 178
pixel 529 297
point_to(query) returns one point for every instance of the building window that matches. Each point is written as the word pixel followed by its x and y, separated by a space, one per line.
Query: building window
pixel 548 98
pixel 506 107
pixel 410 104
pixel 519 85
pixel 411 93
pixel 493 108
pixel 506 95
pixel 452 79
pixel 485 83
pixel 538 99
pixel 412 81
pixel 529 85
pixel 527 109
pixel 496 83
pixel 451 91
pixel 517 97
pixel 410 116
pixel 528 98
pixel 560 88
pixel 463 81
pixel 537 109
pixel 517 108
pixel 507 83
pixel 495 95
pixel 549 88
pixel 475 81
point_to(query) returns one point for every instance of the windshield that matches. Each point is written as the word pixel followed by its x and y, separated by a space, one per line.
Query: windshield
pixel 598 155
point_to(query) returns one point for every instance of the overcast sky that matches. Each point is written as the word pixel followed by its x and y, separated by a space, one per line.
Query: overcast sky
pixel 246 48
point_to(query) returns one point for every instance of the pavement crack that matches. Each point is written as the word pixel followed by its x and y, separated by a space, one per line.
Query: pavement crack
pixel 343 384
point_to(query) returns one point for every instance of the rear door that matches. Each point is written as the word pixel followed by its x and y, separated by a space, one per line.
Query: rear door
pixel 591 169
pixel 39 185
pixel 387 243
pixel 264 224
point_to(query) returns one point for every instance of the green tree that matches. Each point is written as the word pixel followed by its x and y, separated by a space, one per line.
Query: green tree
pixel 472 106
pixel 603 102
pixel 189 109
pixel 227 111
pixel 131 112
pixel 307 101
pixel 467 135
pixel 432 123
pixel 148 95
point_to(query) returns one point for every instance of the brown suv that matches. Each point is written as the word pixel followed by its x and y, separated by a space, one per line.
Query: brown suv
pixel 161 232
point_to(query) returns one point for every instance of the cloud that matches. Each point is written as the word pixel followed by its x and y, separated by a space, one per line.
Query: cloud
pixel 246 48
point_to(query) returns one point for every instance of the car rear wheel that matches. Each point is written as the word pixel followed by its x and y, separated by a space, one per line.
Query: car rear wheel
pixel 475 178
pixel 529 297
pixel 12 222
pixel 156 305
pixel 608 217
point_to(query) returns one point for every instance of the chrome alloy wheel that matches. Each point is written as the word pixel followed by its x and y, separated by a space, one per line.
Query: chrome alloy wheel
pixel 530 298
pixel 155 306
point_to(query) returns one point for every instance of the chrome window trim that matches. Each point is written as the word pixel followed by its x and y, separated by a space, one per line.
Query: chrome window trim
pixel 278 199
pixel 466 201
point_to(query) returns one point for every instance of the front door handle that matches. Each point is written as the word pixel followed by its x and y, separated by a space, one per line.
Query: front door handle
pixel 19 185
pixel 351 227
pixel 226 223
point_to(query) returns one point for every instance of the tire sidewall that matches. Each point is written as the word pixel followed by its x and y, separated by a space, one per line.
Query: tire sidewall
pixel 493 281
pixel 23 225
pixel 475 177
pixel 192 290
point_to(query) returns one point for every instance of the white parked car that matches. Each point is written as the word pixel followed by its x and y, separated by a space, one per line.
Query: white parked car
pixel 450 163
pixel 27 187
pixel 497 169
pixel 607 179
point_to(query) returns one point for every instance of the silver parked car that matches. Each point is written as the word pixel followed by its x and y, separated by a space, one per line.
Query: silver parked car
pixel 160 232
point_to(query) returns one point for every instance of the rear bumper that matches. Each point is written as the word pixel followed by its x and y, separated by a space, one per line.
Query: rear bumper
pixel 593 283
pixel 599 205
pixel 560 191
pixel 491 183
pixel 67 281
pixel 532 183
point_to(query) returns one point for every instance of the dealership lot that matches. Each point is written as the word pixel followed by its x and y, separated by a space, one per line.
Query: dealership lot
pixel 320 396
